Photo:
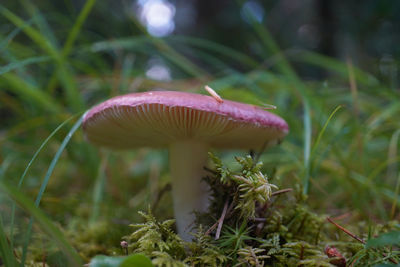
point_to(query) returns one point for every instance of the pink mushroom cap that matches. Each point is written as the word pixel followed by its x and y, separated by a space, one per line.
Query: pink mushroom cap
pixel 160 118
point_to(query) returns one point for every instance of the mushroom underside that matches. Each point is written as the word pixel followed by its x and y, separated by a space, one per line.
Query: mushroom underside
pixel 156 125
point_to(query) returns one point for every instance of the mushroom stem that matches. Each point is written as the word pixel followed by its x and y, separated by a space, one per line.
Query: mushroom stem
pixel 190 194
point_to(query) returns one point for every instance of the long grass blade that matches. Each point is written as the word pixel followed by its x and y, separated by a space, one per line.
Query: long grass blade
pixel 4 43
pixel 99 189
pixel 395 199
pixel 72 93
pixel 35 35
pixel 45 182
pixel 61 71
pixel 21 180
pixel 120 43
pixel 142 43
pixel 73 97
pixel 321 133
pixel 218 48
pixel 306 145
pixel 40 21
pixel 22 63
pixel 45 223
pixel 392 153
pixel 31 93
pixel 73 34
pixel 392 169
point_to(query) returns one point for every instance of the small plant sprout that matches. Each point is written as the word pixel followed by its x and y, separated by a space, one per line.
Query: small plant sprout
pixel 188 125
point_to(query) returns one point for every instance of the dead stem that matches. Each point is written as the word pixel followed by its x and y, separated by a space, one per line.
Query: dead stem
pixel 221 221
pixel 346 231
pixel 356 237
pixel 217 222
pixel 282 191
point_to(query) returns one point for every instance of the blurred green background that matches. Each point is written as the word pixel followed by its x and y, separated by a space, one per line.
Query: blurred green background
pixel 58 58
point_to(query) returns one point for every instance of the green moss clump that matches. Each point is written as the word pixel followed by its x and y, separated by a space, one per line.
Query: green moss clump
pixel 261 226
pixel 158 241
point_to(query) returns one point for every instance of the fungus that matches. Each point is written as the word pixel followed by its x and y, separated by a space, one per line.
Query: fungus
pixel 188 125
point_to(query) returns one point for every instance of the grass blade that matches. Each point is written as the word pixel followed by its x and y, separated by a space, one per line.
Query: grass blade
pixel 61 71
pixel 73 96
pixel 45 182
pixel 31 93
pixel 21 180
pixel 4 43
pixel 22 63
pixel 72 93
pixel 55 160
pixel 218 48
pixel 98 191
pixel 395 199
pixel 77 27
pixel 120 43
pixel 142 42
pixel 392 153
pixel 35 35
pixel 306 145
pixel 40 21
pixel 321 133
pixel 45 223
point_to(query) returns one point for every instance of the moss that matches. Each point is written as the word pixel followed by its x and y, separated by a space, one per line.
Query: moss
pixel 93 239
pixel 262 226
pixel 158 241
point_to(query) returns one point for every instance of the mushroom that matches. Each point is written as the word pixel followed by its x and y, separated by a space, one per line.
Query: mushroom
pixel 188 125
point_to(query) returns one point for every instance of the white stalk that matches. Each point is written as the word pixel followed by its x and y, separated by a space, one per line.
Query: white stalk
pixel 190 193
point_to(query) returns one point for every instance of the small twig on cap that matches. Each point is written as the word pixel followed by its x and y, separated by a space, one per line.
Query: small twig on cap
pixel 213 94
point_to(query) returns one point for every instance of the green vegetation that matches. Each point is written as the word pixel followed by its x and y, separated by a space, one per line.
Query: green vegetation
pixel 268 231
pixel 62 201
